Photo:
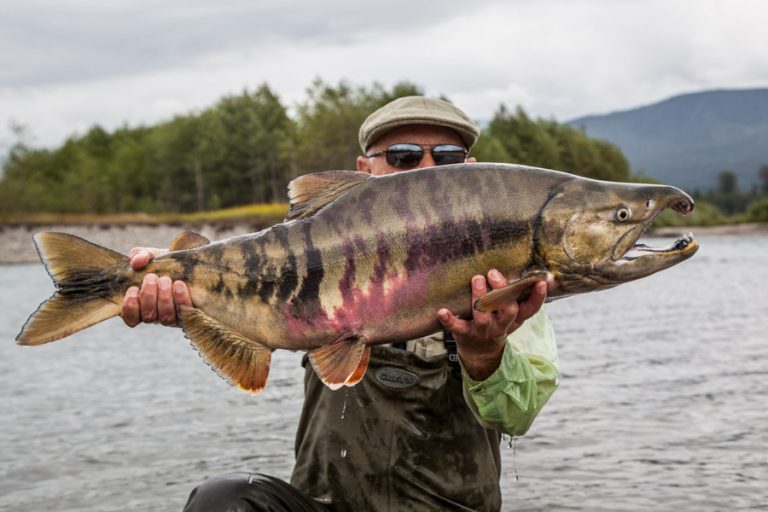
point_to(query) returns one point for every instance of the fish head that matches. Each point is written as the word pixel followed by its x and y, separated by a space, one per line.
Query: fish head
pixel 589 233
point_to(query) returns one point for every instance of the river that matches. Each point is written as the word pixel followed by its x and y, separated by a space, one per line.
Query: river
pixel 663 403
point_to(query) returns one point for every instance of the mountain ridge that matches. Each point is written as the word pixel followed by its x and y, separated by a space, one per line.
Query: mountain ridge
pixel 688 139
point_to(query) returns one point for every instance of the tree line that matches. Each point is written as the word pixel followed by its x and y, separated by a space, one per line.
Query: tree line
pixel 247 147
pixel 732 200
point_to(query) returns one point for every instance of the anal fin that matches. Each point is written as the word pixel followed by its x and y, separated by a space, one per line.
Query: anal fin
pixel 515 291
pixel 341 363
pixel 243 362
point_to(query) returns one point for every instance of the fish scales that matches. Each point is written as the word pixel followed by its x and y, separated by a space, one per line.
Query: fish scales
pixel 366 260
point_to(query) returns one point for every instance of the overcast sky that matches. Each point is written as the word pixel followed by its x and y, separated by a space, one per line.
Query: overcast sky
pixel 68 64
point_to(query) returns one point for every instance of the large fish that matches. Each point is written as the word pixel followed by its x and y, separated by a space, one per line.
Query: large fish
pixel 363 260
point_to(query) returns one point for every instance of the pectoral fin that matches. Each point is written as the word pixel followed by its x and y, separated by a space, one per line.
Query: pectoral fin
pixel 362 366
pixel 243 362
pixel 515 291
pixel 342 363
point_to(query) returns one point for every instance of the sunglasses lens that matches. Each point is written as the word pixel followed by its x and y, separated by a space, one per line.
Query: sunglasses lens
pixel 404 156
pixel 446 154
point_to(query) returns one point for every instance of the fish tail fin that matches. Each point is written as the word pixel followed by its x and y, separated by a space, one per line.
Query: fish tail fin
pixel 89 282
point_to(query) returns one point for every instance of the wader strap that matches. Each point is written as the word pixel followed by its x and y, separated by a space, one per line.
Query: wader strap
pixel 453 356
pixel 450 347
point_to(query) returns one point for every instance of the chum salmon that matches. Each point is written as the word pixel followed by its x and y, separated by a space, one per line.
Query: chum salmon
pixel 363 260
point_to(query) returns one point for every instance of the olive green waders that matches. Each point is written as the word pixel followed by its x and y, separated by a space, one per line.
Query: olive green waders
pixel 403 439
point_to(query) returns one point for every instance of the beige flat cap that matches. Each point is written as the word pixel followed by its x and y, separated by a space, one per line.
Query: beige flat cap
pixel 411 110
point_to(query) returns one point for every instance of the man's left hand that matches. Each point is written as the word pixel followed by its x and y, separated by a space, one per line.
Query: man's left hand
pixel 480 341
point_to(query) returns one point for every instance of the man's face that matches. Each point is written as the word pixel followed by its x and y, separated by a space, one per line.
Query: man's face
pixel 423 135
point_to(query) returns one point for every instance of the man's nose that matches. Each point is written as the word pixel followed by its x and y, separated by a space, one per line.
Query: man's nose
pixel 427 160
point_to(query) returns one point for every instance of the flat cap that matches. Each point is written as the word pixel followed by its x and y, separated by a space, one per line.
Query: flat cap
pixel 411 110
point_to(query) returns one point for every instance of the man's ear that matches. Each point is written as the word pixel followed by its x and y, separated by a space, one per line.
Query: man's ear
pixel 364 164
pixel 471 160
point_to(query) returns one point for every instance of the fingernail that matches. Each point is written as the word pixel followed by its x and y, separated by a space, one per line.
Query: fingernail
pixel 478 283
pixel 133 293
pixel 496 275
pixel 178 287
pixel 164 283
pixel 151 279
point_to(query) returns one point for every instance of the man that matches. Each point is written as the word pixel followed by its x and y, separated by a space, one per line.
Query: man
pixel 421 431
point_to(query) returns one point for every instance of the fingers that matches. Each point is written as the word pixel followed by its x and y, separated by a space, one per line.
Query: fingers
pixel 453 323
pixel 166 309
pixel 496 280
pixel 533 303
pixel 141 256
pixel 506 315
pixel 129 311
pixel 497 324
pixel 482 321
pixel 157 300
pixel 148 299
pixel 181 294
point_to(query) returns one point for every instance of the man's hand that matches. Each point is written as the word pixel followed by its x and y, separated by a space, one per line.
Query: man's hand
pixel 158 298
pixel 480 342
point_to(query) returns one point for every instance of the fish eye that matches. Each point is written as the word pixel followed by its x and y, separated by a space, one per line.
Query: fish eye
pixel 623 214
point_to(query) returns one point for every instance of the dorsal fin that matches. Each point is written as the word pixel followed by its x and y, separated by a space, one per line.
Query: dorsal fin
pixel 188 240
pixel 309 193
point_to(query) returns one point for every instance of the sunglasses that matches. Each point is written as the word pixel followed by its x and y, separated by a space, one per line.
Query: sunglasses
pixel 408 156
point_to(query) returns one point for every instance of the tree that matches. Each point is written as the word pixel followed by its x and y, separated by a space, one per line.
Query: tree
pixel 246 148
pixel 328 122
pixel 763 179
pixel 515 137
pixel 727 182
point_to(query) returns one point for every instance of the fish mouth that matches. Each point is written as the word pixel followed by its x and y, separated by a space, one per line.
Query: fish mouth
pixel 683 245
pixel 642 260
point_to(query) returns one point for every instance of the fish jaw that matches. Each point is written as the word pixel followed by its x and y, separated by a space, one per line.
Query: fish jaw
pixel 640 260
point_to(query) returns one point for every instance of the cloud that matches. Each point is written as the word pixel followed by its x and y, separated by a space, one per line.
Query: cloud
pixel 56 42
pixel 70 65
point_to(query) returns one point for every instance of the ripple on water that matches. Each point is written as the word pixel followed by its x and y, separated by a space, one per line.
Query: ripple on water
pixel 661 401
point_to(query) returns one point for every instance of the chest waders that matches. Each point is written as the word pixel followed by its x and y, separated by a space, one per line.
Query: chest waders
pixel 401 439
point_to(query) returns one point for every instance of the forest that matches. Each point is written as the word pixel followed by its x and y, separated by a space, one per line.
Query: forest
pixel 247 147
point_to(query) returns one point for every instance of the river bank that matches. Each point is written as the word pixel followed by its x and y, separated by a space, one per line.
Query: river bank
pixel 17 246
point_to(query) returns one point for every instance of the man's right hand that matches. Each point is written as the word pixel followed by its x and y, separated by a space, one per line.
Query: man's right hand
pixel 158 298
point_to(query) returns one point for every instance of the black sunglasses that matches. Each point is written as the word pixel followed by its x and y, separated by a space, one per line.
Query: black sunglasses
pixel 408 156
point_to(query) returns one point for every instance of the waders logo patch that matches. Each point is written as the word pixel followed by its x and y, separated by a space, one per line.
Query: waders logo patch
pixel 396 378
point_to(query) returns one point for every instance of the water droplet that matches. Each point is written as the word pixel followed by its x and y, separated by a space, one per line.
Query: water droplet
pixel 344 407
pixel 343 453
pixel 513 445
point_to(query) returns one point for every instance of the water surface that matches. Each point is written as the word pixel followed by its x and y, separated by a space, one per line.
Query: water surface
pixel 662 403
